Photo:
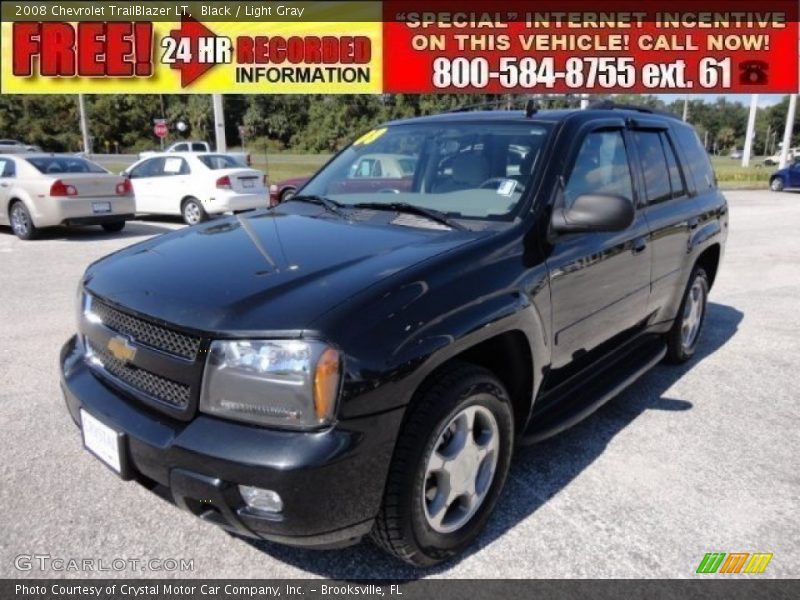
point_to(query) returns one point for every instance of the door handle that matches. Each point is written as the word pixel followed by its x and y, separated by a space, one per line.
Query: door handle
pixel 694 222
pixel 639 245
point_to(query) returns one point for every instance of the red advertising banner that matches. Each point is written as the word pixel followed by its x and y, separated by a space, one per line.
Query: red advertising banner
pixel 572 47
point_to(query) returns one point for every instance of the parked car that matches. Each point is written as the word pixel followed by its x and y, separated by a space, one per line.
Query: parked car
pixel 775 159
pixel 283 190
pixel 44 190
pixel 786 178
pixel 354 363
pixel 736 154
pixel 189 146
pixel 17 147
pixel 195 185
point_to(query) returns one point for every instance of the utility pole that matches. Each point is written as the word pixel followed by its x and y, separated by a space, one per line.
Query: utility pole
pixel 766 139
pixel 685 109
pixel 584 101
pixel 787 132
pixel 219 122
pixel 751 131
pixel 87 148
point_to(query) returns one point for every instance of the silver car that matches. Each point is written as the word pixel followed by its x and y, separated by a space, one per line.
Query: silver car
pixel 45 190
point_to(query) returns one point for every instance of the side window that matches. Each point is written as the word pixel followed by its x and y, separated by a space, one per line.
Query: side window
pixel 697 158
pixel 600 168
pixel 7 167
pixel 175 166
pixel 182 147
pixel 675 177
pixel 199 147
pixel 654 166
pixel 149 168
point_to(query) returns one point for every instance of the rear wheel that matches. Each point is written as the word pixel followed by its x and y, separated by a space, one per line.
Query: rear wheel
pixel 776 185
pixel 192 212
pixel 21 222
pixel 682 339
pixel 113 226
pixel 449 467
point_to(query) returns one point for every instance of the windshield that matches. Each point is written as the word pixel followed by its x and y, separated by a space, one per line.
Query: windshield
pixel 64 164
pixel 220 161
pixel 464 170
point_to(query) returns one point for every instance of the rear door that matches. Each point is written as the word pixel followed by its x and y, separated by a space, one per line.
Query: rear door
pixel 599 281
pixel 668 207
pixel 173 185
pixel 145 178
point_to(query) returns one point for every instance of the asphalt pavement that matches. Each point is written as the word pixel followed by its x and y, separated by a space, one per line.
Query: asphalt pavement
pixel 692 459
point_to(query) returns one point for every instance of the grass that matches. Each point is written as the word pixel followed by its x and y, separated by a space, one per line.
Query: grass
pixel 730 173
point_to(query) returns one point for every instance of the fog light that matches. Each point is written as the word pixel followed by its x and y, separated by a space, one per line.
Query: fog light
pixel 261 500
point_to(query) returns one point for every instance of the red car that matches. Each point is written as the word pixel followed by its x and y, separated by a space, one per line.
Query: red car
pixel 283 190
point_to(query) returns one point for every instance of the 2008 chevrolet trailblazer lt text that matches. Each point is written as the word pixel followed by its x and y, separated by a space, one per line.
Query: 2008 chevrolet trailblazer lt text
pixel 362 358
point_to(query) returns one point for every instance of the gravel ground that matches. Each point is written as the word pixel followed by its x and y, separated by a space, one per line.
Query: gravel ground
pixel 690 460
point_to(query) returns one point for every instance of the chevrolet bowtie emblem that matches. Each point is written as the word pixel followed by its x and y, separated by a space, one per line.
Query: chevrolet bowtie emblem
pixel 121 349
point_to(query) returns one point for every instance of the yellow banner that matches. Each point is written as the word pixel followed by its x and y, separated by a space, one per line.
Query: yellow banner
pixel 197 56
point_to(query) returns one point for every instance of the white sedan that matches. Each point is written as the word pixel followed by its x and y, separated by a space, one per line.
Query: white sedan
pixel 44 190
pixel 195 185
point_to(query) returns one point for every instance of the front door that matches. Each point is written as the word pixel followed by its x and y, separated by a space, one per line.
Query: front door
pixel 600 281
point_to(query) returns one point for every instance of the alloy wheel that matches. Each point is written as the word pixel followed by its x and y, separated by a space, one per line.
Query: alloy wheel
pixel 20 223
pixel 693 314
pixel 460 469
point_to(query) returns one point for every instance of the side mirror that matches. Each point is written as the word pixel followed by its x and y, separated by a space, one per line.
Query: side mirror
pixel 594 212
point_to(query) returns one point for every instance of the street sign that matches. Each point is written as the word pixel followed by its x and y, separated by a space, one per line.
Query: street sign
pixel 161 130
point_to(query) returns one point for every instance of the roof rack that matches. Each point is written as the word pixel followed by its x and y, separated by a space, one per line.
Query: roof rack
pixel 611 105
pixel 467 107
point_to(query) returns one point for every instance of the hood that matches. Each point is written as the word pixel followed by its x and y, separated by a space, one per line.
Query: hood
pixel 272 270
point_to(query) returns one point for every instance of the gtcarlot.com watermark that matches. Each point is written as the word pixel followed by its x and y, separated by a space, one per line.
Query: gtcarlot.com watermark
pixel 49 563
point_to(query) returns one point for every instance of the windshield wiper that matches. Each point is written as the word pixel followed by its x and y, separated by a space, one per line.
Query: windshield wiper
pixel 329 204
pixel 433 215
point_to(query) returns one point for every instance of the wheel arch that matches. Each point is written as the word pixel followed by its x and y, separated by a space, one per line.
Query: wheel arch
pixel 709 259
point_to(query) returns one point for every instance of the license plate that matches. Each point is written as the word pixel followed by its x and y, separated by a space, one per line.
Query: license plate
pixel 102 441
pixel 248 183
pixel 101 207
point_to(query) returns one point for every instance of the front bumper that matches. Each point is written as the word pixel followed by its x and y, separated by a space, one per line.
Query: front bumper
pixel 331 481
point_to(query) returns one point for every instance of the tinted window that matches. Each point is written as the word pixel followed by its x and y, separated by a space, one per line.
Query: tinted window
pixel 64 164
pixel 697 157
pixel 199 147
pixel 600 168
pixel 149 168
pixel 654 166
pixel 675 178
pixel 7 167
pixel 220 161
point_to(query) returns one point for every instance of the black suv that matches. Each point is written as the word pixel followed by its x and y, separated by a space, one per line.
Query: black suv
pixel 363 358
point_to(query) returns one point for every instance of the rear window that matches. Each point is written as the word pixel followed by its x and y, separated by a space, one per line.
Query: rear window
pixel 64 164
pixel 697 157
pixel 220 161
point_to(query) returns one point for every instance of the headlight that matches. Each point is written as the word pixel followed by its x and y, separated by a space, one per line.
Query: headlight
pixel 286 383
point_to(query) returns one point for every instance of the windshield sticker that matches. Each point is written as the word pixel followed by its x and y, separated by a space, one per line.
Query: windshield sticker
pixel 506 187
pixel 370 137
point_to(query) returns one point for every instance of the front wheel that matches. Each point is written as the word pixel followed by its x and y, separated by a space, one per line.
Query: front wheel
pixel 682 339
pixel 192 212
pixel 776 185
pixel 449 467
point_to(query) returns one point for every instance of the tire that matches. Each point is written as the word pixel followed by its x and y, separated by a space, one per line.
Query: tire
pixel 114 226
pixel 21 221
pixel 287 193
pixel 409 526
pixel 193 212
pixel 682 339
pixel 776 185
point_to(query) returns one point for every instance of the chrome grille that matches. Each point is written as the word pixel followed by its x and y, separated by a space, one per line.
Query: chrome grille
pixel 160 388
pixel 145 332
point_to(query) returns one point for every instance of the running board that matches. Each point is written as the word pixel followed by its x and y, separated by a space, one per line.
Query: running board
pixel 582 400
